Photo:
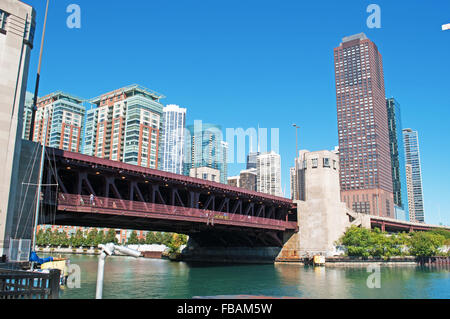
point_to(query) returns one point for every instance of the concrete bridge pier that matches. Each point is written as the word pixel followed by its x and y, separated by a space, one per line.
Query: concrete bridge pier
pixel 243 254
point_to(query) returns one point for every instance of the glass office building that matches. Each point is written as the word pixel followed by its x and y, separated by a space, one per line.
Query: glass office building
pixel 397 159
pixel 172 141
pixel 204 147
pixel 412 157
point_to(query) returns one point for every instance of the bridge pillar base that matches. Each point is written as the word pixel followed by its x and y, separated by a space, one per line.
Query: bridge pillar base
pixel 247 255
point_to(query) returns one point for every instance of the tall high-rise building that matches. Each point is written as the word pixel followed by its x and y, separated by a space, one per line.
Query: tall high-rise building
pixel 410 191
pixel 27 113
pixel 293 183
pixel 248 179
pixel 17 26
pixel 204 147
pixel 397 159
pixel 412 155
pixel 172 141
pixel 365 158
pixel 125 126
pixel 62 115
pixel 251 159
pixel 268 166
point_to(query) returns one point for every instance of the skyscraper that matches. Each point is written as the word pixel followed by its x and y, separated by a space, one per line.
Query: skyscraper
pixel 410 191
pixel 268 174
pixel 65 116
pixel 251 159
pixel 204 147
pixel 172 141
pixel 397 159
pixel 365 159
pixel 412 155
pixel 125 126
pixel 27 111
pixel 248 179
pixel 293 183
pixel 17 26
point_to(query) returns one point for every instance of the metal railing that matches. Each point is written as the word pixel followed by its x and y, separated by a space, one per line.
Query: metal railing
pixel 124 207
pixel 15 284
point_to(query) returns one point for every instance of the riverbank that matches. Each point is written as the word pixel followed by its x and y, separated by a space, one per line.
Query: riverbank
pixel 94 252
pixel 345 261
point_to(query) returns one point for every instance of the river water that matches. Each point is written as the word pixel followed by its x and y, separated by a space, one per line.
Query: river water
pixel 129 278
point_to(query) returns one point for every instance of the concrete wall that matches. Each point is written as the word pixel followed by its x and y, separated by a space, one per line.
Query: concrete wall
pixel 15 47
pixel 322 217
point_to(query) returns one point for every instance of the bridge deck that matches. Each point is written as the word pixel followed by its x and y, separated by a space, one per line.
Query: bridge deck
pixel 125 208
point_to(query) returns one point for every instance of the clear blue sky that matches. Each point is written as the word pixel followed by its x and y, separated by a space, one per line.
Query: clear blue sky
pixel 244 63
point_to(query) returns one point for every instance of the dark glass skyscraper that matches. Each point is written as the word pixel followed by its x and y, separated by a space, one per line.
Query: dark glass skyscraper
pixel 397 159
pixel 365 158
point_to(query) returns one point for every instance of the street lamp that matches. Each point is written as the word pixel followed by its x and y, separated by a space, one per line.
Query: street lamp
pixel 296 161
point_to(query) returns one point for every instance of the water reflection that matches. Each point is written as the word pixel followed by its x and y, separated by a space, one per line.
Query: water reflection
pixel 130 278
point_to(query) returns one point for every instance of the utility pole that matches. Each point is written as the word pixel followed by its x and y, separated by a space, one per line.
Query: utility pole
pixel 38 77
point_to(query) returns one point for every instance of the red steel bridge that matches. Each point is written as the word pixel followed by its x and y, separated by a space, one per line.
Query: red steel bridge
pixel 133 197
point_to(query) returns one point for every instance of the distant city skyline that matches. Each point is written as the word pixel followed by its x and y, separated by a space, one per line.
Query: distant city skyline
pixel 211 62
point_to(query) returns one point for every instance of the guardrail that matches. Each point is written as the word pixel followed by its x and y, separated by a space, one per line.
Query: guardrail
pixel 121 207
pixel 15 284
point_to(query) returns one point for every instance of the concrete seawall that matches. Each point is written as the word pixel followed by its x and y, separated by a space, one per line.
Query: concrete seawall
pixel 263 255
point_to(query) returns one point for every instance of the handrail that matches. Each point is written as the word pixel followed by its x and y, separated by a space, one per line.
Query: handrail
pixel 144 208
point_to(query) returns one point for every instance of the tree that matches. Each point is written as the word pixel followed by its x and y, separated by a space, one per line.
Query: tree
pixel 133 240
pixel 62 239
pixel 362 242
pixel 111 237
pixel 426 244
pixel 90 239
pixel 54 238
pixel 40 240
pixel 78 240
pixel 176 242
pixel 100 238
pixel 150 238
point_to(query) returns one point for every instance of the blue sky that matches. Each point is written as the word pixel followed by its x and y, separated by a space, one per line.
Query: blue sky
pixel 249 63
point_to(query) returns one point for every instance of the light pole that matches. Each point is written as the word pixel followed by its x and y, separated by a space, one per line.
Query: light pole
pixel 296 162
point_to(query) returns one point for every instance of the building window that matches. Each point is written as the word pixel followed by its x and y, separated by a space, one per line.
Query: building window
pixel 3 19
pixel 334 164
pixel 326 162
pixel 315 163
